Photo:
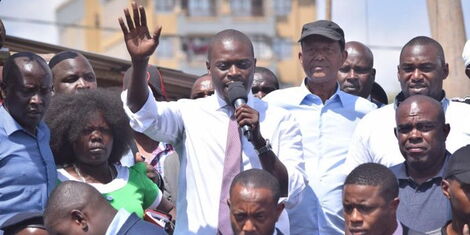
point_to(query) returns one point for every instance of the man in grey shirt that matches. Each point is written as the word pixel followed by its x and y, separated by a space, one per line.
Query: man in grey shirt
pixel 421 132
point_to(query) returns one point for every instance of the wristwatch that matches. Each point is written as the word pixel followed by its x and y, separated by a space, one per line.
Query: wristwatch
pixel 264 149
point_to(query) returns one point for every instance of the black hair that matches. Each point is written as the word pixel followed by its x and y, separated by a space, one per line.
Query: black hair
pixel 378 93
pixel 68 115
pixel 11 69
pixel 424 41
pixel 63 55
pixel 258 178
pixel 268 73
pixel 373 174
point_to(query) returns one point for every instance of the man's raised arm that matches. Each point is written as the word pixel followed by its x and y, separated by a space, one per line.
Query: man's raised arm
pixel 140 45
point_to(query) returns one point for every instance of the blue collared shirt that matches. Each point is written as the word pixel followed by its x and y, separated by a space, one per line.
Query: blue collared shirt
pixel 326 133
pixel 423 207
pixel 27 169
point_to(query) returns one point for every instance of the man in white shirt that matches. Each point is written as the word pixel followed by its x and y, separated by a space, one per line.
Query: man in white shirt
pixel 198 128
pixel 327 118
pixel 422 70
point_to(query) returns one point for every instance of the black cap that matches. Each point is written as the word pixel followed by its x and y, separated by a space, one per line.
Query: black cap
pixel 459 165
pixel 324 28
pixel 22 220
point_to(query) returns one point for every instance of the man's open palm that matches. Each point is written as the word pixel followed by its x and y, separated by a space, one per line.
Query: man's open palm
pixel 139 42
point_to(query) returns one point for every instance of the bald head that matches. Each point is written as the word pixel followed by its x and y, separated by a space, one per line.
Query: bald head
pixel 202 87
pixel 226 37
pixel 412 103
pixel 77 208
pixel 357 74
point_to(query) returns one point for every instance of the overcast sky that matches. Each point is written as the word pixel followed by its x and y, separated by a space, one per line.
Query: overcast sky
pixel 384 25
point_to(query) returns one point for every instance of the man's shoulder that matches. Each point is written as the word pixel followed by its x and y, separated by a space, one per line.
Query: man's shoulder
pixel 135 225
pixel 397 169
pixel 458 107
pixel 283 96
pixel 359 104
pixel 380 114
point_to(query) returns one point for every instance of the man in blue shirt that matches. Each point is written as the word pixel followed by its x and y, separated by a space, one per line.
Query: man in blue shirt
pixel 27 168
pixel 327 118
pixel 421 132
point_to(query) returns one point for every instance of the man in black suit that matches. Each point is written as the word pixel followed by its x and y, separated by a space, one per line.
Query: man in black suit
pixel 78 208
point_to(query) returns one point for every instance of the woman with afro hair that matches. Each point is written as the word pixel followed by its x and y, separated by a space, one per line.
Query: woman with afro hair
pixel 89 134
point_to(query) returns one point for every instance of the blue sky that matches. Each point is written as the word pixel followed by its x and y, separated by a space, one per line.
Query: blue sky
pixel 384 25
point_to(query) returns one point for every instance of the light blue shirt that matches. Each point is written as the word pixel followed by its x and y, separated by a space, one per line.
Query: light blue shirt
pixel 326 130
pixel 27 169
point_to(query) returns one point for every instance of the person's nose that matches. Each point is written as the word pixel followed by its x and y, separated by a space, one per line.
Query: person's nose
pixel 234 72
pixel 415 136
pixel 82 84
pixel 96 136
pixel 248 226
pixel 36 99
pixel 351 74
pixel 356 217
pixel 416 75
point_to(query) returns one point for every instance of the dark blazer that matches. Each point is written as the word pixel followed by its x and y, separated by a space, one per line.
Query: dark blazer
pixel 135 225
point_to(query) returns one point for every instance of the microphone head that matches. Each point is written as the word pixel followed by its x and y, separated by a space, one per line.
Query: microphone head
pixel 236 90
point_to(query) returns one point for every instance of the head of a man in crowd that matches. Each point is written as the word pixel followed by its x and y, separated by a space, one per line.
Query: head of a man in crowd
pixel 77 208
pixel 378 93
pixel 422 68
pixel 25 223
pixel 202 87
pixel 26 89
pixel 264 82
pixel 254 207
pixel 357 74
pixel 322 51
pixel 466 58
pixel 421 131
pixel 72 72
pixel 154 81
pixel 370 200
pixel 230 59
pixel 456 185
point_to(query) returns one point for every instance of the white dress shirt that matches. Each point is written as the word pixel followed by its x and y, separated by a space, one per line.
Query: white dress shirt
pixel 326 129
pixel 198 131
pixel 375 141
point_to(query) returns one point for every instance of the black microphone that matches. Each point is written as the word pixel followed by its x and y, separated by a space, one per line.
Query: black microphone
pixel 237 97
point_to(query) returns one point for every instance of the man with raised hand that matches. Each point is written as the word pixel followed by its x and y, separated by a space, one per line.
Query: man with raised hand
pixel 211 157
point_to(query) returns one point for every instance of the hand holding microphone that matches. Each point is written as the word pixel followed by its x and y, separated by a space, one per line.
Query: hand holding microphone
pixel 245 115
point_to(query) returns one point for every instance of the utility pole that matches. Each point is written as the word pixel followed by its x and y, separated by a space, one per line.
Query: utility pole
pixel 447 27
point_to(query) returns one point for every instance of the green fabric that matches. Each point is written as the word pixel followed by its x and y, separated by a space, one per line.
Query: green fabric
pixel 138 194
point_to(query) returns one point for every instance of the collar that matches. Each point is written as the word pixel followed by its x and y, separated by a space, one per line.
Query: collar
pixel 401 97
pixel 402 173
pixel 305 96
pixel 11 125
pixel 218 103
pixel 399 230
pixel 118 221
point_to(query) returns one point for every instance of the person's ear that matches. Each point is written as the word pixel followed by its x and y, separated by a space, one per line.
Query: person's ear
pixel 279 209
pixel 345 56
pixel 446 130
pixel 80 219
pixel 372 75
pixel 228 203
pixel 394 203
pixel 395 131
pixel 445 185
pixel 3 89
pixel 208 66
pixel 301 58
pixel 446 71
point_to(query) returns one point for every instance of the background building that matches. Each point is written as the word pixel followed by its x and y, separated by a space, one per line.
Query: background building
pixel 273 26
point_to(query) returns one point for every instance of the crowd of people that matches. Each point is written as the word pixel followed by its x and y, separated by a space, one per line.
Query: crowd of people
pixel 242 155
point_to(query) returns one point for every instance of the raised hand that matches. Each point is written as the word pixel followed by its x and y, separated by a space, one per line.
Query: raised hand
pixel 139 42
